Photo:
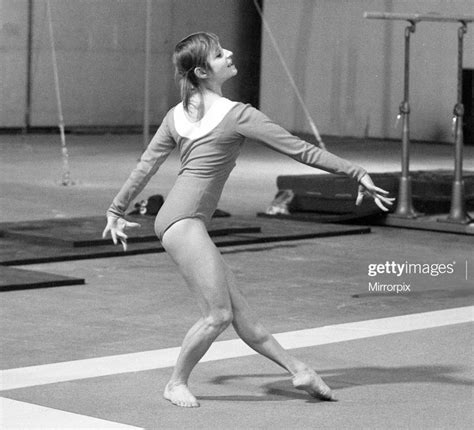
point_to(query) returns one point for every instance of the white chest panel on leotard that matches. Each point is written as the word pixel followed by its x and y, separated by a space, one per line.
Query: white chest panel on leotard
pixel 212 118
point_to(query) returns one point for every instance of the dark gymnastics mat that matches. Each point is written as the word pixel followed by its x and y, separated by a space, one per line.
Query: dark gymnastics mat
pixel 431 191
pixel 428 222
pixel 276 230
pixel 360 217
pixel 225 232
pixel 87 232
pixel 19 279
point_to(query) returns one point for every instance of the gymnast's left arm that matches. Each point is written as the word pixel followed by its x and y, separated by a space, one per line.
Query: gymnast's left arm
pixel 254 124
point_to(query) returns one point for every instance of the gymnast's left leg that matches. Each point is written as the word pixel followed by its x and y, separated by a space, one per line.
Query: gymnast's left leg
pixel 254 334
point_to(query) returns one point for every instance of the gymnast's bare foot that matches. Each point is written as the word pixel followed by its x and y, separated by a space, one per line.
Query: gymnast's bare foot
pixel 309 381
pixel 179 395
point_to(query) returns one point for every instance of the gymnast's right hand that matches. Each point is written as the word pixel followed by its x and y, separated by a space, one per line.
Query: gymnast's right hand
pixel 368 188
pixel 116 227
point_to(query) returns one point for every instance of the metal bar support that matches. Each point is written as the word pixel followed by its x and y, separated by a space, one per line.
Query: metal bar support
pixel 458 213
pixel 404 203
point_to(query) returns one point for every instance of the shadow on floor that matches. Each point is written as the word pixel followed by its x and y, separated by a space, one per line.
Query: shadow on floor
pixel 339 379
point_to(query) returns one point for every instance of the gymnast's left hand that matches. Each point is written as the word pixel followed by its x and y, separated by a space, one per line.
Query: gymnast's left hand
pixel 368 188
pixel 116 227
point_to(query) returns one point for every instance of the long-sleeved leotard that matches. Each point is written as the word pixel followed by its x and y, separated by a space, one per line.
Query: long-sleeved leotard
pixel 208 150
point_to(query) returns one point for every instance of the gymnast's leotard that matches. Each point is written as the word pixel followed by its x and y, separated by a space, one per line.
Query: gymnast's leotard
pixel 208 150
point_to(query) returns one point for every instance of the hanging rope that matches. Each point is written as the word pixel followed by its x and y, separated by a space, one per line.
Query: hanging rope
pixel 66 178
pixel 290 77
pixel 146 97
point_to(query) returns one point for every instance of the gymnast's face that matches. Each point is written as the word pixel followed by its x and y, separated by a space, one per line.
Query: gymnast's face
pixel 221 65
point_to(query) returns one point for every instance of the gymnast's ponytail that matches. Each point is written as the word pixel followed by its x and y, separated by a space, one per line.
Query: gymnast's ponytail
pixel 191 52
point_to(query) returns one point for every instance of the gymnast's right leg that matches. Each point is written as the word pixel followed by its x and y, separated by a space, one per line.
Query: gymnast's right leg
pixel 190 247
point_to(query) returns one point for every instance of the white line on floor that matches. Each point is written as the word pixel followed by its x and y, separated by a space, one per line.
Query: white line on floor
pixel 135 362
pixel 21 415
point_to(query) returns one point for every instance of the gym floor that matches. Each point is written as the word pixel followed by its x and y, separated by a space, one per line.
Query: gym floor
pixel 98 355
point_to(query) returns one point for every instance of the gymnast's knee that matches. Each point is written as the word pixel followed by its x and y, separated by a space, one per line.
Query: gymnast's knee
pixel 251 332
pixel 219 319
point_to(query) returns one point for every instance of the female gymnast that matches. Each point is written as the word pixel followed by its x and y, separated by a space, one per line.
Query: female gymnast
pixel 208 130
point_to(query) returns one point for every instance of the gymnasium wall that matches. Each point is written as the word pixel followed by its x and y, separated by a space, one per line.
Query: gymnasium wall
pixel 101 56
pixel 350 69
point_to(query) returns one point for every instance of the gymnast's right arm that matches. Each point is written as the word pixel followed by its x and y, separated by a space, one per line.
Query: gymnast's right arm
pixel 156 153
pixel 254 124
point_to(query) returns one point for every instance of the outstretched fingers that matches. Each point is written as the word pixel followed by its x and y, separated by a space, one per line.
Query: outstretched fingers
pixel 123 239
pixel 380 190
pixel 379 196
pixel 109 228
pixel 122 225
pixel 378 202
pixel 106 230
pixel 129 224
pixel 382 201
pixel 116 227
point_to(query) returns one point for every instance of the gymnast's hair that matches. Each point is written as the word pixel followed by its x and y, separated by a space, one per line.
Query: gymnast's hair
pixel 191 52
